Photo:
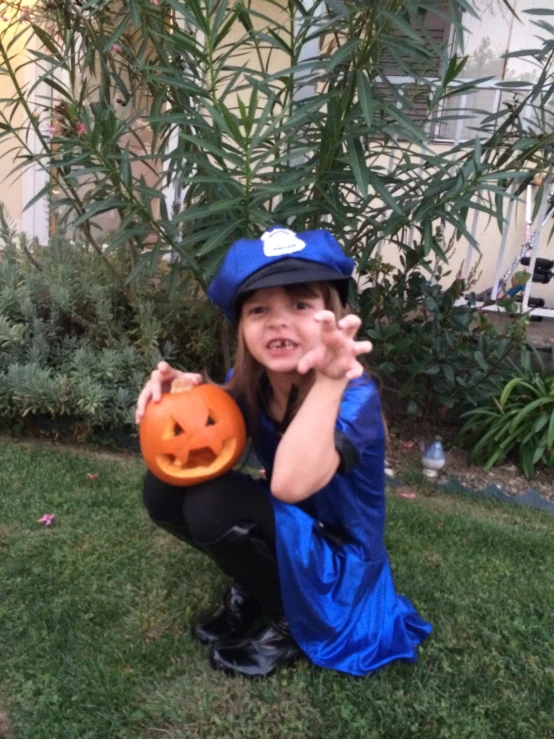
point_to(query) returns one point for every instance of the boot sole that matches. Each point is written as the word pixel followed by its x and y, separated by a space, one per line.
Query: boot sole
pixel 230 672
pixel 220 641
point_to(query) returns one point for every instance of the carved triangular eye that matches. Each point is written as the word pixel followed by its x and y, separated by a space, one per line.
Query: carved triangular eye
pixel 177 429
pixel 210 421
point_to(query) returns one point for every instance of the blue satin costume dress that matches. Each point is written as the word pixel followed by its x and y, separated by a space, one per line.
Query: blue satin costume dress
pixel 338 594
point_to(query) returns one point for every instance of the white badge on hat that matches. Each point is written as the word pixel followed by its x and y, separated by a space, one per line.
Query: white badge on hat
pixel 281 241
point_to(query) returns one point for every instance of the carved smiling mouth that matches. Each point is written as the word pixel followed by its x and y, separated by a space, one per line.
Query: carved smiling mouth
pixel 277 344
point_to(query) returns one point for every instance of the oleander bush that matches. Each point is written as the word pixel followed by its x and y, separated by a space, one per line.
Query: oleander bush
pixel 191 124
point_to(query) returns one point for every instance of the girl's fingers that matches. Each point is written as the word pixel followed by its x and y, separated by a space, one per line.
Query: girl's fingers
pixel 349 325
pixel 362 347
pixel 327 320
pixel 306 362
pixel 141 406
pixel 164 368
pixel 160 381
pixel 356 371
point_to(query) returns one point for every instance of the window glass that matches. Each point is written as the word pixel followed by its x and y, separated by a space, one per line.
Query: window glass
pixel 496 32
pixel 487 39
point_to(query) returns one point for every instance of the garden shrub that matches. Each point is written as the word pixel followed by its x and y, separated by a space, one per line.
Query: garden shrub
pixel 77 344
pixel 432 355
pixel 518 422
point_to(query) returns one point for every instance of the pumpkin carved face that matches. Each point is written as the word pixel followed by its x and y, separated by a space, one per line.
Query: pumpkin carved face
pixel 193 434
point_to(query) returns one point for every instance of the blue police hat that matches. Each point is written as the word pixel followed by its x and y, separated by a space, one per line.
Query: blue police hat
pixel 279 257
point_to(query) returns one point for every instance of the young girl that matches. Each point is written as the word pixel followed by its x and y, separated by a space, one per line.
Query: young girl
pixel 305 546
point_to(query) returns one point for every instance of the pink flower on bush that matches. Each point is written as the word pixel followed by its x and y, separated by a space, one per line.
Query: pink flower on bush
pixel 25 13
pixel 47 519
pixel 117 49
pixel 80 128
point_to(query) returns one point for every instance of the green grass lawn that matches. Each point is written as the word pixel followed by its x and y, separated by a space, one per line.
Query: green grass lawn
pixel 94 615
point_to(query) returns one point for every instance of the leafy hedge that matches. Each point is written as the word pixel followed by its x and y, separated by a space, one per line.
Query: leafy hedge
pixel 76 344
pixel 434 353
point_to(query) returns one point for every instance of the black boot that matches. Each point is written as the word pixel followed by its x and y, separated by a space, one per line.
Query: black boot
pixel 258 656
pixel 249 557
pixel 233 619
pixel 239 610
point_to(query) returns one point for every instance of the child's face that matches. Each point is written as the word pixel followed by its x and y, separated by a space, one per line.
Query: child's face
pixel 278 327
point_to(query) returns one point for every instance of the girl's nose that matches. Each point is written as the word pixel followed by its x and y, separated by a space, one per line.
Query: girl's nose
pixel 278 317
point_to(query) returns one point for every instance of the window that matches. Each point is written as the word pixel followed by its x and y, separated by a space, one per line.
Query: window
pixel 487 40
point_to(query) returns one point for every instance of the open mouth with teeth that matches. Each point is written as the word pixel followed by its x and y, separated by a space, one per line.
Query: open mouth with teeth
pixel 280 344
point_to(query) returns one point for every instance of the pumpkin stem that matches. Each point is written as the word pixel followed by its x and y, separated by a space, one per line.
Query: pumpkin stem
pixel 181 385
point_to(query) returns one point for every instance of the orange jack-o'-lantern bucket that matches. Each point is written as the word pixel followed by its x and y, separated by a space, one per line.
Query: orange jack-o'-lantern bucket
pixel 194 433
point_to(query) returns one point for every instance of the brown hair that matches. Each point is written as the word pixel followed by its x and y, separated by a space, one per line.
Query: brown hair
pixel 245 382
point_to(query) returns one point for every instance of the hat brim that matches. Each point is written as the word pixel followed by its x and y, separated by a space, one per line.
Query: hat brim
pixel 292 272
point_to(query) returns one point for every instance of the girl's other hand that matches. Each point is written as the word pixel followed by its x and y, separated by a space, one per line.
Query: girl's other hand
pixel 336 355
pixel 159 383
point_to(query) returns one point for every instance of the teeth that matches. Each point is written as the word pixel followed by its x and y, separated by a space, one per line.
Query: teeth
pixel 280 344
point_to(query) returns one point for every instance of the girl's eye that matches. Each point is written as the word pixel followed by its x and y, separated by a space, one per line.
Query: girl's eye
pixel 301 305
pixel 255 310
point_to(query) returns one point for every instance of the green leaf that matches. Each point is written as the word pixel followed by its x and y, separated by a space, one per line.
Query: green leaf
pixel 480 359
pixel 205 211
pixel 46 40
pixel 540 423
pixel 40 194
pixel 538 453
pixel 356 157
pixel 508 388
pixel 550 435
pixel 342 55
pixel 495 457
pixel 539 11
pixel 449 373
pixel 529 408
pixel 365 96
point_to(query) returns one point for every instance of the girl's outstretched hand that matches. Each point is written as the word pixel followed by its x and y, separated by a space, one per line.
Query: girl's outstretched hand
pixel 336 354
pixel 160 382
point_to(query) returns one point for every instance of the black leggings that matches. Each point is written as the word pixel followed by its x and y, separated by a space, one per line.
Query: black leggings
pixel 203 513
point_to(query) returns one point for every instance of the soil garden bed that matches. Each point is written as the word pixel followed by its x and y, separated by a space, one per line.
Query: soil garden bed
pixel 404 460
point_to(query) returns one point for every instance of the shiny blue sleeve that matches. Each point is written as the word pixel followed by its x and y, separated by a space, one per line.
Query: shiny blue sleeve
pixel 359 425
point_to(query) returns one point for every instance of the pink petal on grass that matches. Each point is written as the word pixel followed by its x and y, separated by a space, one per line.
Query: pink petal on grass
pixel 93 475
pixel 117 49
pixel 47 519
pixel 405 492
